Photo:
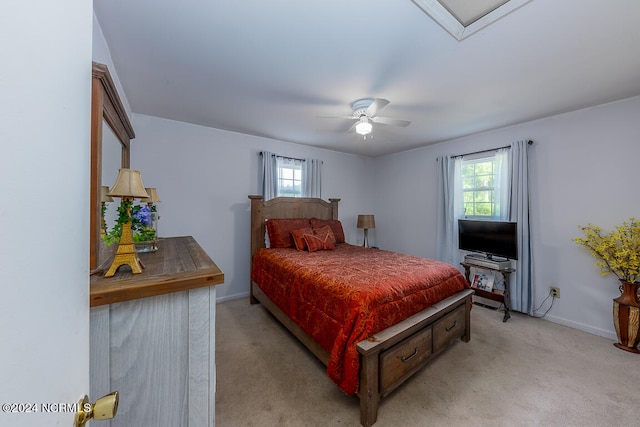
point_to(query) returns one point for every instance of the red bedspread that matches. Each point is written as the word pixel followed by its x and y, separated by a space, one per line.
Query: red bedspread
pixel 340 297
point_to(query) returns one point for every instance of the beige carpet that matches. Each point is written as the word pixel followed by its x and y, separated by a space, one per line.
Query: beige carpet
pixel 526 372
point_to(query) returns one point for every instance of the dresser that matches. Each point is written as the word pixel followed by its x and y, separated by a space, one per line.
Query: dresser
pixel 153 337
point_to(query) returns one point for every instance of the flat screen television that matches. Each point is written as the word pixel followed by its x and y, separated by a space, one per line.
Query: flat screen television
pixel 492 238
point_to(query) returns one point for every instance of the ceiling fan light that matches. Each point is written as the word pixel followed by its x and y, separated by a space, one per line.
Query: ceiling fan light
pixel 364 127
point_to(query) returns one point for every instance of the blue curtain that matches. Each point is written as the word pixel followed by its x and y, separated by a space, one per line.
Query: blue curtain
pixel 312 178
pixel 501 183
pixel 269 175
pixel 520 283
pixel 450 208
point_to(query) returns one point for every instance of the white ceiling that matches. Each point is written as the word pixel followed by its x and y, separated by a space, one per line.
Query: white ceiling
pixel 270 68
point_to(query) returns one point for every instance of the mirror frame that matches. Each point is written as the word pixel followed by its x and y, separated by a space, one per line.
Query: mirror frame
pixel 105 105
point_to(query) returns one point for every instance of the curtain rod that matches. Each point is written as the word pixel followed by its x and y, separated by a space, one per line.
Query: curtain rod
pixel 287 157
pixel 284 157
pixel 486 151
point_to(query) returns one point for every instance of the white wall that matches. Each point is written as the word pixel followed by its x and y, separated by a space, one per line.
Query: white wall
pixel 583 168
pixel 204 176
pixel 102 54
pixel 45 87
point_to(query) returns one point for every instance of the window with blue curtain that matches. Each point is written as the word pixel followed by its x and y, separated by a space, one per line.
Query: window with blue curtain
pixel 290 177
pixel 492 185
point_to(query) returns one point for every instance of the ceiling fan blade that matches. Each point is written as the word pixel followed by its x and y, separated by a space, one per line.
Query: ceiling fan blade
pixel 377 105
pixel 336 117
pixel 352 129
pixel 390 121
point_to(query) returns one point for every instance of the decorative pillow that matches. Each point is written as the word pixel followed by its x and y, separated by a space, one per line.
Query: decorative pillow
pixel 323 232
pixel 336 227
pixel 298 238
pixel 279 231
pixel 318 243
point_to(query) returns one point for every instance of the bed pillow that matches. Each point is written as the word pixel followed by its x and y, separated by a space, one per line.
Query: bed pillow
pixel 336 227
pixel 323 232
pixel 298 238
pixel 279 231
pixel 319 242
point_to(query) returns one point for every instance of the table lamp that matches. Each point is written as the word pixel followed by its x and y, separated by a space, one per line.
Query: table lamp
pixel 152 196
pixel 128 186
pixel 366 222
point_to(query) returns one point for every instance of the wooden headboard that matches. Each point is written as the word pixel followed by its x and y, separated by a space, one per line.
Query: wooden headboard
pixel 286 207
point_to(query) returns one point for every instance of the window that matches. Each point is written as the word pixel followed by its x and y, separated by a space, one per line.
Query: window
pixel 289 177
pixel 478 188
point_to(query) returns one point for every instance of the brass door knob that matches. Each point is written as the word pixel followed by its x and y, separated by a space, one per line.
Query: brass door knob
pixel 105 408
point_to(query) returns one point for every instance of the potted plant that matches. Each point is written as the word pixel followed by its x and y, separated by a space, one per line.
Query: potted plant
pixel 618 252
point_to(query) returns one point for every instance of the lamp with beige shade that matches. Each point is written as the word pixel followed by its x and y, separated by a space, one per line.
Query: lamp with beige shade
pixel 366 222
pixel 152 196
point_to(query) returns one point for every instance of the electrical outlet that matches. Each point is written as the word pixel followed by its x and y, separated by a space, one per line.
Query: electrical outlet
pixel 554 291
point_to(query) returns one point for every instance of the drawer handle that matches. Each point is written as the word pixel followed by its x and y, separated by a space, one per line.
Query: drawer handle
pixel 455 323
pixel 411 356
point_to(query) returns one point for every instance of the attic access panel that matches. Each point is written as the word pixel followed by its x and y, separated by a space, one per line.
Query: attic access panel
pixel 461 18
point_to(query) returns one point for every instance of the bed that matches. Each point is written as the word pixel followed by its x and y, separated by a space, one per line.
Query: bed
pixel 333 297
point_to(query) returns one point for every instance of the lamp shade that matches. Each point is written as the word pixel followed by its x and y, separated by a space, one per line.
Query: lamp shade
pixel 364 127
pixel 366 221
pixel 128 184
pixel 104 197
pixel 153 196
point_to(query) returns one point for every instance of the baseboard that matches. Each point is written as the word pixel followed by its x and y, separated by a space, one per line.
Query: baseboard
pixel 585 328
pixel 232 297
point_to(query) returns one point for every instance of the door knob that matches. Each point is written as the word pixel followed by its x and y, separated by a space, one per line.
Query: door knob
pixel 105 408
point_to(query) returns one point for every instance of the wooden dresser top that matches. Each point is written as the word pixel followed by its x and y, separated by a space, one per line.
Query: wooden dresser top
pixel 178 265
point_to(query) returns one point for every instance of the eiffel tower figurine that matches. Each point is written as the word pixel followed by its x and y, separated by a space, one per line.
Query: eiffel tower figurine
pixel 126 252
pixel 128 186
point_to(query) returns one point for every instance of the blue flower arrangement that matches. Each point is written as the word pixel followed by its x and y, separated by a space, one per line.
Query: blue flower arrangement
pixel 142 223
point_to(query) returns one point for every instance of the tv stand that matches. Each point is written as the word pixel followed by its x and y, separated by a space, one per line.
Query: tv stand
pixel 488 262
pixel 495 295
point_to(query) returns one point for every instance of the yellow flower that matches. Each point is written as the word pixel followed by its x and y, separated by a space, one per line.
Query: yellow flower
pixel 617 252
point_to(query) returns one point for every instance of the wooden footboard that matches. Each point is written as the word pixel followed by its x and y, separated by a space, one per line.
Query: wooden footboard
pixel 390 357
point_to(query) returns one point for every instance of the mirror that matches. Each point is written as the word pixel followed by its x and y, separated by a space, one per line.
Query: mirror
pixel 111 134
pixel 111 163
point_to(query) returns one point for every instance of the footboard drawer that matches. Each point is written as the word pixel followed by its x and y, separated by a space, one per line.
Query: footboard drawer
pixel 448 329
pixel 404 358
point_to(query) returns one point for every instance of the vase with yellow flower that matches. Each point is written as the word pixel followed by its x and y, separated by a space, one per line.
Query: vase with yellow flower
pixel 618 252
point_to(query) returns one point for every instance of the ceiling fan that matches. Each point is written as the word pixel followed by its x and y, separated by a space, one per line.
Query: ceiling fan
pixel 364 114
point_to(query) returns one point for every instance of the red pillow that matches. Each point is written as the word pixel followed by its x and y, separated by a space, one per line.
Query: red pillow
pixel 279 231
pixel 298 238
pixel 336 227
pixel 318 243
pixel 323 232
